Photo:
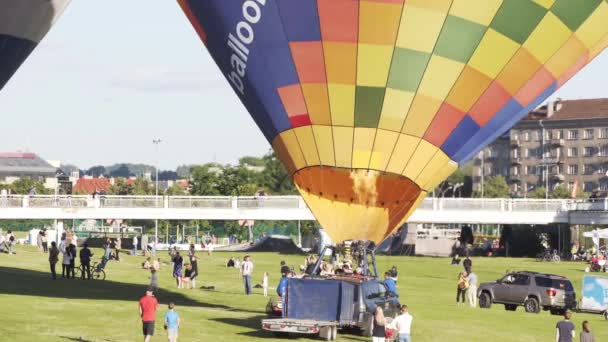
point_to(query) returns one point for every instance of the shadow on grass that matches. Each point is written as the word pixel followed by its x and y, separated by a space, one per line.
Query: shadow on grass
pixel 80 339
pixel 16 281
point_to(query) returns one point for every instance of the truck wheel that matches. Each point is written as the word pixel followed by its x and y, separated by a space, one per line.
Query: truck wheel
pixel 485 301
pixel 510 307
pixel 531 305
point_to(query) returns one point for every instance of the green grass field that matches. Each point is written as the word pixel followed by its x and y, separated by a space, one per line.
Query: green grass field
pixel 35 308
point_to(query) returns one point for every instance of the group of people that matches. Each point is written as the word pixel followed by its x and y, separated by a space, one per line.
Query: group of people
pixel 402 325
pixel 565 331
pixel 41 241
pixel 148 304
pixel 69 252
pixel 467 283
pixel 7 242
pixel 187 278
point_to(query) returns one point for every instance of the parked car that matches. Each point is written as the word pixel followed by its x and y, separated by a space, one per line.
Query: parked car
pixel 534 291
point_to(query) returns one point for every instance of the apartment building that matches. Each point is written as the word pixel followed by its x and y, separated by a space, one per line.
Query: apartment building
pixel 561 143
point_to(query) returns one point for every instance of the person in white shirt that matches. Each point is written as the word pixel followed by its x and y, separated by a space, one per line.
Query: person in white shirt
pixel 472 294
pixel 3 245
pixel 403 325
pixel 135 242
pixel 246 271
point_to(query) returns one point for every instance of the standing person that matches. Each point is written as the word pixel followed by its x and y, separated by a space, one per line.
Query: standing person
pixel 65 259
pixel 117 248
pixel 379 326
pixel 107 248
pixel 403 324
pixel 461 287
pixel 3 243
pixel 39 241
pixel 586 334
pixel 135 242
pixel 177 269
pixel 194 273
pixel 191 251
pixel 467 264
pixel 73 253
pixel 153 280
pixel 85 261
pixel 472 291
pixel 282 292
pixel 265 284
pixel 246 271
pixel 45 244
pixel 147 311
pixel 53 259
pixel 74 239
pixel 172 323
pixel 565 330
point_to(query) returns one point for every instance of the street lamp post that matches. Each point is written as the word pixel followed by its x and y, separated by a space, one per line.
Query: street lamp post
pixel 157 143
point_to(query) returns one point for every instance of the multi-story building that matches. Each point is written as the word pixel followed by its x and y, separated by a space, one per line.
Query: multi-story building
pixel 16 165
pixel 561 143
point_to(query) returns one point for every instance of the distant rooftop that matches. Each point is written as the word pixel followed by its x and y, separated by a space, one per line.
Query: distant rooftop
pixel 25 163
pixel 571 110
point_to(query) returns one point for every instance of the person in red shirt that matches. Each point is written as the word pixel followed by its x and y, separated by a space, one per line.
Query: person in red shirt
pixel 147 311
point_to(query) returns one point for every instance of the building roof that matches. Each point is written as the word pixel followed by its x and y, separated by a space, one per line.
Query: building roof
pixel 571 110
pixel 90 185
pixel 23 164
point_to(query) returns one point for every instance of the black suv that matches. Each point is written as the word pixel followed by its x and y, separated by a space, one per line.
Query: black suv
pixel 534 291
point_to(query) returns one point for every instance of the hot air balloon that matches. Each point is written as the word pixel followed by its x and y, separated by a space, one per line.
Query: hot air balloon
pixel 370 104
pixel 23 24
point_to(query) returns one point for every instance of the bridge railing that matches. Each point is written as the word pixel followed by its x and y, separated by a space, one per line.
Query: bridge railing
pixel 290 203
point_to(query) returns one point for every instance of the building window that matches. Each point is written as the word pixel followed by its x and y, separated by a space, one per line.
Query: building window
pixel 603 151
pixel 603 186
pixel 604 133
pixel 601 169
pixel 516 153
pixel 515 171
pixel 588 169
pixel 573 134
pixel 527 135
pixel 588 134
pixel 531 169
pixel 573 152
pixel 572 169
pixel 589 186
pixel 514 136
pixel 560 169
pixel 589 151
pixel 558 134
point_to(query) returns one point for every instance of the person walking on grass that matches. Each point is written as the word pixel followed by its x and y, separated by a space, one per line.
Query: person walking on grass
pixel 45 244
pixel 379 326
pixel 461 289
pixel 177 269
pixel 53 259
pixel 246 272
pixel 586 334
pixel 65 258
pixel 147 312
pixel 565 330
pixel 403 324
pixel 194 273
pixel 153 280
pixel 172 322
pixel 135 242
pixel 73 254
pixel 472 291
pixel 265 284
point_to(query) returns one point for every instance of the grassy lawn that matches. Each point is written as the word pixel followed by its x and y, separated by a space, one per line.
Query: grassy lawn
pixel 35 308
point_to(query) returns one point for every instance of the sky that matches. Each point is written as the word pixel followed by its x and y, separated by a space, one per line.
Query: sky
pixel 113 75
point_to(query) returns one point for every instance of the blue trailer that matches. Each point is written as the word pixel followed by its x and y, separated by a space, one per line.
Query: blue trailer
pixel 595 295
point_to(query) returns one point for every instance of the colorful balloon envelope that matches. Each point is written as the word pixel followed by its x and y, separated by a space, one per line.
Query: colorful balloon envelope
pixel 370 104
pixel 23 24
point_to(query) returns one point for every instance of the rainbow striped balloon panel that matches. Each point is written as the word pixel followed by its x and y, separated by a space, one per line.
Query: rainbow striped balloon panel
pixel 372 103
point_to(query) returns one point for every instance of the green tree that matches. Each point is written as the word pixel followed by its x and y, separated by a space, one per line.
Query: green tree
pixel 120 187
pixel 23 185
pixel 253 161
pixel 236 181
pixel 203 181
pixel 537 193
pixel 174 190
pixel 142 187
pixel 496 187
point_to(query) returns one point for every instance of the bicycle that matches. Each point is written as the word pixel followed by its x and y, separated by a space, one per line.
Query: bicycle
pixel 97 271
pixel 549 256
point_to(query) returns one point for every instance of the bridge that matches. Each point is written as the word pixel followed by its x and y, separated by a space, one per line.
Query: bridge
pixel 292 208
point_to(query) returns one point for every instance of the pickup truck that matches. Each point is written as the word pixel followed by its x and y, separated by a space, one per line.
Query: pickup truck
pixel 319 306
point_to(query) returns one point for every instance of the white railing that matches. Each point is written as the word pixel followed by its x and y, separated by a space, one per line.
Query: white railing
pixel 290 203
